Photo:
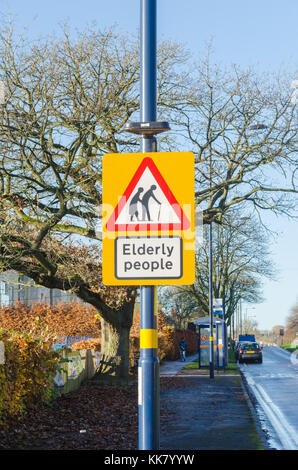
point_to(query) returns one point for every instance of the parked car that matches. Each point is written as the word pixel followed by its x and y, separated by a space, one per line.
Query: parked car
pixel 238 346
pixel 250 352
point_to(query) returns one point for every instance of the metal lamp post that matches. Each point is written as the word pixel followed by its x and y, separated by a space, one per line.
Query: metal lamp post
pixel 211 352
pixel 148 364
pixel 148 127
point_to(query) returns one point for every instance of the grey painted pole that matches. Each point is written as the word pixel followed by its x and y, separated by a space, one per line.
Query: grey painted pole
pixel 148 363
pixel 211 349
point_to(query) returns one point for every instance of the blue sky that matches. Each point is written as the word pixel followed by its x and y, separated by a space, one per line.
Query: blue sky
pixel 262 33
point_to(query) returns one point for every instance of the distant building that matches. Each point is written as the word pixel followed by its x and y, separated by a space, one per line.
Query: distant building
pixel 15 287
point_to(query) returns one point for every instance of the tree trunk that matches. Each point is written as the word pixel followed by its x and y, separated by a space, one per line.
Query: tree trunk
pixel 115 343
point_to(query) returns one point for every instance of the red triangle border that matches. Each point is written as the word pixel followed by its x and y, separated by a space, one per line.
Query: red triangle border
pixel 184 223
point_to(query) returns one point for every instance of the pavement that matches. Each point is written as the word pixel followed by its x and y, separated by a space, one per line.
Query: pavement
pixel 200 413
pixel 171 368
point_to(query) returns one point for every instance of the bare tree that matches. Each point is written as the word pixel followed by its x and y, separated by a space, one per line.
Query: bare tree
pixel 243 130
pixel 292 325
pixel 178 306
pixel 292 320
pixel 240 261
pixel 67 101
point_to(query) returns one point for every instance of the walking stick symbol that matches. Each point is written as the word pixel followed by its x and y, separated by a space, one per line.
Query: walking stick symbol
pixel 159 211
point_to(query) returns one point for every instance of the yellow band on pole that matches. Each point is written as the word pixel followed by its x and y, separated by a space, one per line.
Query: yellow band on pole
pixel 148 339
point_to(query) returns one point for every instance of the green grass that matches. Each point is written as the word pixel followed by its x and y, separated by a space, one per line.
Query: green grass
pixel 231 355
pixel 192 365
pixel 231 367
pixel 289 348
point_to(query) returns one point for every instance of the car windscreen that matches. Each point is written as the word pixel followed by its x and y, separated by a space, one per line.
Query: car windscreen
pixel 250 346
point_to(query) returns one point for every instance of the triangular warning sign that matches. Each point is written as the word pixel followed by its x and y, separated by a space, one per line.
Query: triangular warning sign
pixel 147 204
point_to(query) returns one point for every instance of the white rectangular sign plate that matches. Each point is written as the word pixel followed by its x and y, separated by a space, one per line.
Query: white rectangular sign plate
pixel 148 258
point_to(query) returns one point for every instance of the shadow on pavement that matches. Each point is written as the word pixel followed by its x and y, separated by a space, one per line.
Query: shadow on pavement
pixel 200 413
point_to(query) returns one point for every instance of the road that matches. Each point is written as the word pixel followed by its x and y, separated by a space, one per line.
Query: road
pixel 274 384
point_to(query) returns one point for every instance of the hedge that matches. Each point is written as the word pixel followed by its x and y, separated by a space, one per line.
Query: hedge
pixel 26 377
pixel 75 319
pixel 64 319
pixel 168 341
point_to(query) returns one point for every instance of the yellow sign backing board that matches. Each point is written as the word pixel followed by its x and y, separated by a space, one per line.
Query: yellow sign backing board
pixel 148 218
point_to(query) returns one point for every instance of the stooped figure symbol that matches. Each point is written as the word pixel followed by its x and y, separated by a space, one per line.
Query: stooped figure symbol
pixel 133 206
pixel 145 202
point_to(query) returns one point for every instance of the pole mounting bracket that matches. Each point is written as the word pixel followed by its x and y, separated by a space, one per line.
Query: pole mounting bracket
pixel 149 128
